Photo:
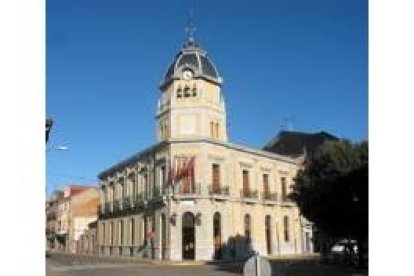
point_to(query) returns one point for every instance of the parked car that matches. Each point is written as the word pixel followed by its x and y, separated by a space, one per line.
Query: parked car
pixel 344 252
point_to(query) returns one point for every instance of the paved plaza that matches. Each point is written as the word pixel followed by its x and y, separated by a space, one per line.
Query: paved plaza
pixel 285 267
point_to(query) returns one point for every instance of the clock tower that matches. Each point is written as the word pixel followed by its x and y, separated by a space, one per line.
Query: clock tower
pixel 191 104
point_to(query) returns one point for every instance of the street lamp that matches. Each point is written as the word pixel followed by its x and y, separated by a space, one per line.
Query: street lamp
pixel 49 124
pixel 57 148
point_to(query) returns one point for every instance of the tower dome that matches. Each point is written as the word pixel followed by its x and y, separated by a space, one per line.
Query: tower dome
pixel 192 57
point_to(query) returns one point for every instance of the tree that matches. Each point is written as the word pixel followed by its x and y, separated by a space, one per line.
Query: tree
pixel 332 191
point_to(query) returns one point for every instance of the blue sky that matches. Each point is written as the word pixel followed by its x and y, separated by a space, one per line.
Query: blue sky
pixel 297 61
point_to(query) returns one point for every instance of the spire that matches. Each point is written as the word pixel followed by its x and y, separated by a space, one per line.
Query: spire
pixel 190 27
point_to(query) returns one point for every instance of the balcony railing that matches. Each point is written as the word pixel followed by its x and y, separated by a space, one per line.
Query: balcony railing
pixel 286 199
pixel 100 209
pixel 269 196
pixel 249 194
pixel 187 190
pixel 117 205
pixel 128 202
pixel 218 190
pixel 157 193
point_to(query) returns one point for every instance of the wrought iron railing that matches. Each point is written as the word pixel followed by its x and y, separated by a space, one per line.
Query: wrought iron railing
pixel 189 189
pixel 117 205
pixel 251 194
pixel 269 196
pixel 219 190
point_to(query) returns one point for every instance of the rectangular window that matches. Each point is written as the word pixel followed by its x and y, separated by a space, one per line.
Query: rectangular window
pixel 266 184
pixel 216 178
pixel 246 188
pixel 162 179
pixel 179 93
pixel 284 192
pixel 146 185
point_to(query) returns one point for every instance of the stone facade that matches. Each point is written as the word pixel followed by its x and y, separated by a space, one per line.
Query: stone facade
pixel 194 195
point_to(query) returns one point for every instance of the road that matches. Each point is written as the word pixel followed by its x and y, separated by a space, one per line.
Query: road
pixel 60 267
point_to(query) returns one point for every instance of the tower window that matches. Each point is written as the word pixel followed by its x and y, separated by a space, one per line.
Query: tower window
pixel 187 92
pixel 179 93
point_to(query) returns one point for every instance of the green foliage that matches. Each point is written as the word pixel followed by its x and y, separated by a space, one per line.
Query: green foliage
pixel 332 189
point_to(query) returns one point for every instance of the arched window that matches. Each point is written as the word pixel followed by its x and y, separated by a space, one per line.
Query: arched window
pixel 145 229
pixel 286 228
pixel 132 232
pixel 268 232
pixel 121 232
pixel 217 235
pixel 111 232
pixel 247 228
pixel 103 237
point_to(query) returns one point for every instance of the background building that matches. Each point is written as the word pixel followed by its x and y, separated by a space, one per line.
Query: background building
pixel 194 195
pixel 298 144
pixel 87 242
pixel 77 207
pixel 51 219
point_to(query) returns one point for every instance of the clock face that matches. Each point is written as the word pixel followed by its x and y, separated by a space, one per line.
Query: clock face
pixel 187 74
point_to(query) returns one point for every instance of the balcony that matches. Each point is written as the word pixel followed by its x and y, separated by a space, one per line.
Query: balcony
pixel 218 191
pixel 157 194
pixel 128 203
pixel 101 209
pixel 107 208
pixel 249 195
pixel 187 191
pixel 269 198
pixel 286 200
pixel 117 205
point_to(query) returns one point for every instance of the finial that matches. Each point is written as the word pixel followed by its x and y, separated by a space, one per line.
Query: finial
pixel 190 28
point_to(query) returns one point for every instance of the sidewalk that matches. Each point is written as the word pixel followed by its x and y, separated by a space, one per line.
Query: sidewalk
pixel 92 259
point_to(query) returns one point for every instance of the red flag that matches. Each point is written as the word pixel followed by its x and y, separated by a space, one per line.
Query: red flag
pixel 184 169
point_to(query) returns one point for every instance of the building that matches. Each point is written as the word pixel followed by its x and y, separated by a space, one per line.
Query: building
pixel 297 144
pixel 86 243
pixel 77 207
pixel 193 194
pixel 51 221
pixel 302 146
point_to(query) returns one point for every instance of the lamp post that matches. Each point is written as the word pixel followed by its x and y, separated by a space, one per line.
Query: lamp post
pixel 49 124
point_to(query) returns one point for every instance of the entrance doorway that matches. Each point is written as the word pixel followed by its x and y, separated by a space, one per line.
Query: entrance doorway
pixel 217 235
pixel 188 236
